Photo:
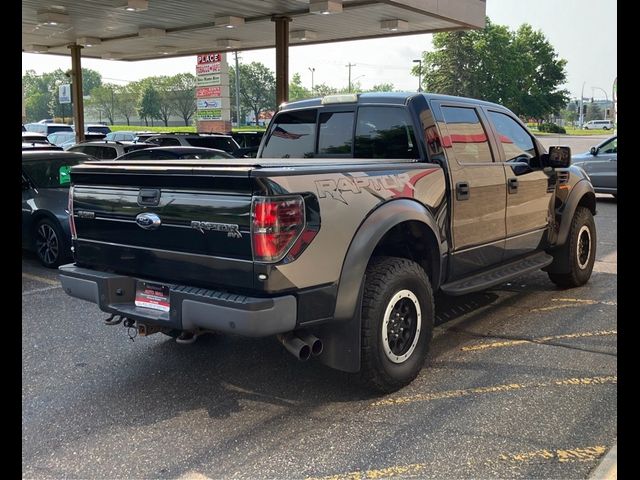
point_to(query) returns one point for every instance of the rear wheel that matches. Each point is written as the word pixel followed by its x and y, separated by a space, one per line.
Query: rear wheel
pixel 581 249
pixel 397 322
pixel 51 246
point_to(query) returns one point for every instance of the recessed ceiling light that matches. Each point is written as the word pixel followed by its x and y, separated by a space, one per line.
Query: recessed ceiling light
pixel 151 32
pixel 88 41
pixel 132 5
pixel 325 7
pixel 53 18
pixel 227 43
pixel 302 35
pixel 229 22
pixel 394 25
pixel 36 48
pixel 167 50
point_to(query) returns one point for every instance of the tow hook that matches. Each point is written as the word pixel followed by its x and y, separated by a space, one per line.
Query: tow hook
pixel 129 323
pixel 113 320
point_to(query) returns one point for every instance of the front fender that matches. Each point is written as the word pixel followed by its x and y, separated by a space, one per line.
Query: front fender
pixel 581 193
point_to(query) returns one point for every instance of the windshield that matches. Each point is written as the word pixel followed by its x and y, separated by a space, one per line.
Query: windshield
pixel 50 173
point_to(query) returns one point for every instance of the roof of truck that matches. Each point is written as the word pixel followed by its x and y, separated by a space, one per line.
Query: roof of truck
pixel 397 98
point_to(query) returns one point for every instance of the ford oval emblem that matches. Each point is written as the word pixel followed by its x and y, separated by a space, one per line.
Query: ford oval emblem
pixel 148 221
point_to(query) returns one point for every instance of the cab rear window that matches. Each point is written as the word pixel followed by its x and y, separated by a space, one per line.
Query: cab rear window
pixel 292 135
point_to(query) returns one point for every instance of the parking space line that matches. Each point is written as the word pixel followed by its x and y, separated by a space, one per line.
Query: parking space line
pixel 511 343
pixel 583 454
pixel 38 278
pixel 585 301
pixel 571 303
pixel 43 289
pixel 446 394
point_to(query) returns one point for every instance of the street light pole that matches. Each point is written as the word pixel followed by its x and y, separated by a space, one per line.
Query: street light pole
pixel 419 62
pixel 312 70
pixel 349 66
pixel 605 96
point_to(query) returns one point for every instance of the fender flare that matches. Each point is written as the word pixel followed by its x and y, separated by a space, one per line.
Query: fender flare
pixel 341 337
pixel 579 190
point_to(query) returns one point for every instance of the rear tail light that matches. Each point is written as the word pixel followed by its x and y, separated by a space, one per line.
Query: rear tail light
pixel 72 223
pixel 276 224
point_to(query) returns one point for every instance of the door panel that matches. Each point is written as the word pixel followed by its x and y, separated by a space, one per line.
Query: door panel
pixel 478 191
pixel 529 193
pixel 603 168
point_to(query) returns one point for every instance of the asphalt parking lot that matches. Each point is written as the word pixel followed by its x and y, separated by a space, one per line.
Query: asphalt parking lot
pixel 521 382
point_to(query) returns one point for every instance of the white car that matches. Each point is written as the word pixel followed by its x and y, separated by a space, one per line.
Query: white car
pixel 598 125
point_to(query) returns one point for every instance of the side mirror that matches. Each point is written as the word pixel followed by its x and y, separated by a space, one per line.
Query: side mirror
pixel 558 157
pixel 25 184
pixel 593 151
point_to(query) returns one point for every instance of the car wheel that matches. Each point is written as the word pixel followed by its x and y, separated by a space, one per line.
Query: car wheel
pixel 51 247
pixel 397 323
pixel 605 128
pixel 581 248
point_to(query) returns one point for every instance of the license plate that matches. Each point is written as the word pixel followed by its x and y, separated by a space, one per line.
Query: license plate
pixel 152 295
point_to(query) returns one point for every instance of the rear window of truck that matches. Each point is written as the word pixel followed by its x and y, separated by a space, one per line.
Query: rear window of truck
pixel 293 135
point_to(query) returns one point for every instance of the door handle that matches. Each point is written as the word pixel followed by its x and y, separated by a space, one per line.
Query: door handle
pixel 513 185
pixel 462 191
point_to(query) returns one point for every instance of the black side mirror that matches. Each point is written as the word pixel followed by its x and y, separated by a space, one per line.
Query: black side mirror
pixel 558 157
pixel 25 184
pixel 593 151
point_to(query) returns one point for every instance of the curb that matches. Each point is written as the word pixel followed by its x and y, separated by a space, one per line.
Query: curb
pixel 607 469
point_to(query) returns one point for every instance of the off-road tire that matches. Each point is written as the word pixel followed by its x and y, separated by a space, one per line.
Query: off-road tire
pixel 385 279
pixel 580 265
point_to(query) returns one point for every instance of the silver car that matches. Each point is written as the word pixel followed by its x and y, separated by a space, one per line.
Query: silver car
pixel 601 164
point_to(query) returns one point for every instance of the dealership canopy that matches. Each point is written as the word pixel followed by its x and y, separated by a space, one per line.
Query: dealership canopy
pixel 147 29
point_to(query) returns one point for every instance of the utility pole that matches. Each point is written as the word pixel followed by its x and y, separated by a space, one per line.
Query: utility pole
pixel 419 62
pixel 605 96
pixel 581 118
pixel 349 66
pixel 312 70
pixel 238 90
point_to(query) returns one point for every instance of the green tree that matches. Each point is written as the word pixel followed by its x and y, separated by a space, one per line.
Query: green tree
pixel 182 96
pixel 258 88
pixel 105 100
pixel 382 87
pixel 297 91
pixel 149 107
pixel 90 80
pixel 163 86
pixel 594 112
pixel 520 69
pixel 322 89
pixel 126 101
pixel 570 113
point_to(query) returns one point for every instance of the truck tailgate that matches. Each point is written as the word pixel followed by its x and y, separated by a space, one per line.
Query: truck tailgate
pixel 204 210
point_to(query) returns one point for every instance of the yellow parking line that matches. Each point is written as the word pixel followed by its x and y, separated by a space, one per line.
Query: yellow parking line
pixel 38 278
pixel 584 301
pixel 511 343
pixel 584 454
pixel 426 397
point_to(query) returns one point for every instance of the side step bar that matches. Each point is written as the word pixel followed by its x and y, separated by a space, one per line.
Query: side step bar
pixel 497 275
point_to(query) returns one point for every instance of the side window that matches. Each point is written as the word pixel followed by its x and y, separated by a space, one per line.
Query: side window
pixel 384 132
pixel 516 142
pixel 168 142
pixel 108 153
pixel 292 135
pixel 334 135
pixel 611 147
pixel 467 136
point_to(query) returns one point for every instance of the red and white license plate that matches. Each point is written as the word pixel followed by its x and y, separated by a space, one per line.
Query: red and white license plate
pixel 152 295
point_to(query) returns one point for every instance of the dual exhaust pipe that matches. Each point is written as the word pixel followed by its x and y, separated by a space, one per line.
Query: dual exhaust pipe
pixel 301 344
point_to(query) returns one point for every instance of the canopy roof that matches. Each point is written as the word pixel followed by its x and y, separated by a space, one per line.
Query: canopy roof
pixel 147 29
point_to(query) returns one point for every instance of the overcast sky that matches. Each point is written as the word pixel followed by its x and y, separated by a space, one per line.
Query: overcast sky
pixel 582 31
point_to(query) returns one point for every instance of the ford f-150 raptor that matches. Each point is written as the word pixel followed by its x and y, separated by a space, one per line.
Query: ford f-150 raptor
pixel 334 239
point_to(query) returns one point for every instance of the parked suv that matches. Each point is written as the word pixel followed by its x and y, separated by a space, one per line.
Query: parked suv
pixel 207 140
pixel 598 125
pixel 47 128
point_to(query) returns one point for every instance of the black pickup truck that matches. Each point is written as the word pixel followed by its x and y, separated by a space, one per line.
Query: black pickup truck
pixel 357 209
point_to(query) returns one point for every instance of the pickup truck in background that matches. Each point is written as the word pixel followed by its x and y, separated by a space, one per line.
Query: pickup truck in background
pixel 334 240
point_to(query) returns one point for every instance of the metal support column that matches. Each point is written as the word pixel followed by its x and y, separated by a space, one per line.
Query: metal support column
pixel 282 58
pixel 76 92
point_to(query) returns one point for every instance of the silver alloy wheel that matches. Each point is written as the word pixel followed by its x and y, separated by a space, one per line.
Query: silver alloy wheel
pixel 583 248
pixel 47 245
pixel 401 326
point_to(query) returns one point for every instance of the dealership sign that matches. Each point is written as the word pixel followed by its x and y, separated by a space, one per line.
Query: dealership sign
pixel 209 114
pixel 206 92
pixel 206 80
pixel 64 93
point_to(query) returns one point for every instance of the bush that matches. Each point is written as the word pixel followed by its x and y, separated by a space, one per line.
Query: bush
pixel 551 128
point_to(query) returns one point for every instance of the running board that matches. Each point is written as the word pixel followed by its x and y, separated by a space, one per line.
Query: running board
pixel 497 275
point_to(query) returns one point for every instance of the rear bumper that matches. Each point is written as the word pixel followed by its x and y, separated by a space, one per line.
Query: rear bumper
pixel 190 307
